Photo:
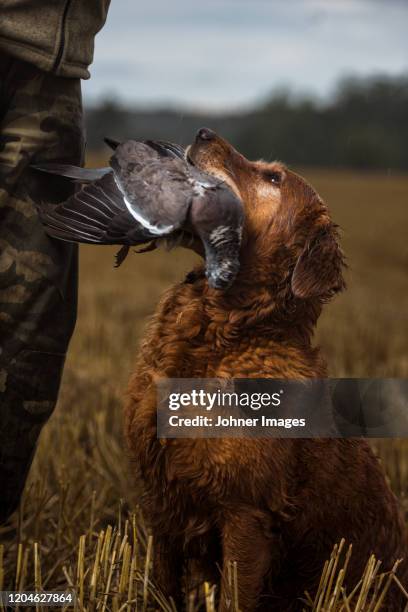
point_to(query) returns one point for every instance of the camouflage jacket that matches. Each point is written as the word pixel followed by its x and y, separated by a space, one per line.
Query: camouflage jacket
pixel 55 35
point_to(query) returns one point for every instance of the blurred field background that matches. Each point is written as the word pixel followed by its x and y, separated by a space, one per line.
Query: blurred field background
pixel 272 78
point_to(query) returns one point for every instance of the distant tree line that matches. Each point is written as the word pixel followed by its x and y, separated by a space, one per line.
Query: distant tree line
pixel 364 126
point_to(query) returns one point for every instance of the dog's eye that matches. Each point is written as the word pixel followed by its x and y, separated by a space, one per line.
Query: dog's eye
pixel 273 177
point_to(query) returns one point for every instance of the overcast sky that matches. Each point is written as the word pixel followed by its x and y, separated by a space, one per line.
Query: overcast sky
pixel 229 53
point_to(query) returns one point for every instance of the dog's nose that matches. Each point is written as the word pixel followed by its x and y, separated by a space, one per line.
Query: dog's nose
pixel 205 134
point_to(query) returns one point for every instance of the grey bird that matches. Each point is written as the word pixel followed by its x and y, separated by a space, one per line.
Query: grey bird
pixel 150 191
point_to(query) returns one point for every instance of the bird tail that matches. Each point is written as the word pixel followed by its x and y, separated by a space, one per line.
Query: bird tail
pixel 112 144
pixel 82 175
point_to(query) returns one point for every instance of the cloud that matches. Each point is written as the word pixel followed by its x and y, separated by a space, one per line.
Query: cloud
pixel 228 53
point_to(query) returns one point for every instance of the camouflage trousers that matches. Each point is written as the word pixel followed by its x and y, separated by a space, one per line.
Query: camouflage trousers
pixel 40 120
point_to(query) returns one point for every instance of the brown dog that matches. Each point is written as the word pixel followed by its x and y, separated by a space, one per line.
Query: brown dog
pixel 276 507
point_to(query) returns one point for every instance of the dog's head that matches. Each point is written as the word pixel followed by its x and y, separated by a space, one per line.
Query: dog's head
pixel 289 238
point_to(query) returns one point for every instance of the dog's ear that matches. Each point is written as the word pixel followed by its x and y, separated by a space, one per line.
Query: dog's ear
pixel 319 269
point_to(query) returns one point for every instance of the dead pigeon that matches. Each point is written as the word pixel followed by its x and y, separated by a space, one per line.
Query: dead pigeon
pixel 150 191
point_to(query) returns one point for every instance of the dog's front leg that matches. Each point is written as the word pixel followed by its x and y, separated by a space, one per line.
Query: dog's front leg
pixel 168 567
pixel 245 540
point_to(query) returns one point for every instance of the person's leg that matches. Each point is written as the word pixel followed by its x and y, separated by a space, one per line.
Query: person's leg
pixel 40 119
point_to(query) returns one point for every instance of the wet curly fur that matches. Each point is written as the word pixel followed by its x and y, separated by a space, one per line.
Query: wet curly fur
pixel 276 507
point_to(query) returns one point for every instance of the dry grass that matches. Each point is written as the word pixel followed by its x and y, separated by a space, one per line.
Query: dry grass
pixel 80 524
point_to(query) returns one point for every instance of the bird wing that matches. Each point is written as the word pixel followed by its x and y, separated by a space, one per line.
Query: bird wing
pixel 166 148
pixel 95 214
pixel 163 147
